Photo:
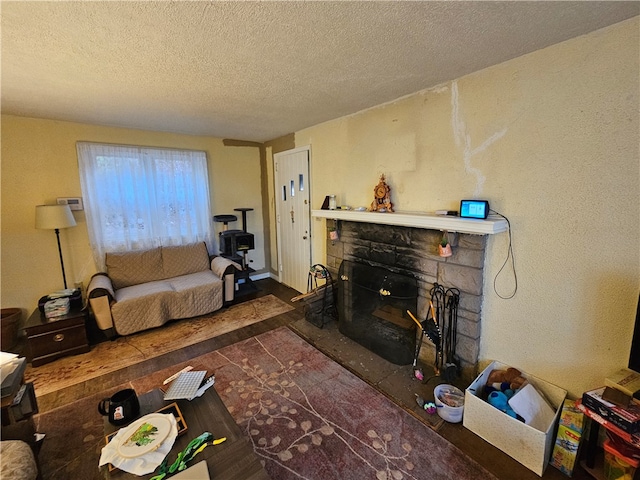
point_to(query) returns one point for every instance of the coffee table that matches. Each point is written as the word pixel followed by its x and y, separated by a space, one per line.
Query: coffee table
pixel 233 459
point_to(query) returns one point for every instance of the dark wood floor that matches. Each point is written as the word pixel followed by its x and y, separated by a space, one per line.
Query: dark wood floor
pixel 108 381
pixel 395 382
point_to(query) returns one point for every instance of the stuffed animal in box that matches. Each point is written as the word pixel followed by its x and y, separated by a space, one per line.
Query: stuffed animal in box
pixel 511 376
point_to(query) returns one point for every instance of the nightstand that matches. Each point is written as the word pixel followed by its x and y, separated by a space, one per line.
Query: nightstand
pixel 19 404
pixel 52 338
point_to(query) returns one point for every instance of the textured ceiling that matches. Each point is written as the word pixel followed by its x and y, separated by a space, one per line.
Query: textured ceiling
pixel 259 70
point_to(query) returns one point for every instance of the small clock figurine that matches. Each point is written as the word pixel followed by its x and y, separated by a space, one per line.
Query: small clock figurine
pixel 382 197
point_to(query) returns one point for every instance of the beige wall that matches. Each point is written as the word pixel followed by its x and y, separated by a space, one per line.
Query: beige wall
pixel 551 139
pixel 39 163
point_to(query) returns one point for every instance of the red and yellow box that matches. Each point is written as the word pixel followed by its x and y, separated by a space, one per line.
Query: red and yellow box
pixel 616 465
pixel 570 426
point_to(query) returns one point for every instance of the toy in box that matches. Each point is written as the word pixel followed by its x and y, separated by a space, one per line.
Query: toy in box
pixel 616 465
pixel 527 445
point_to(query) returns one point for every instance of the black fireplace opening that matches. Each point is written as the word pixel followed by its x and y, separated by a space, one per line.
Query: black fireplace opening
pixel 372 310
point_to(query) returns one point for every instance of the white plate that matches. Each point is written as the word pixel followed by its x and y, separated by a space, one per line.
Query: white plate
pixel 144 435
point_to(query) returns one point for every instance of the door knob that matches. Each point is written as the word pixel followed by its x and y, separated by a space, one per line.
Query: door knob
pixel 304 238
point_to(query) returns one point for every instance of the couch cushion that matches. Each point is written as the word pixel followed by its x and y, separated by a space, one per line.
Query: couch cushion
pixel 18 462
pixel 143 290
pixel 195 294
pixel 184 259
pixel 140 307
pixel 132 268
pixel 152 304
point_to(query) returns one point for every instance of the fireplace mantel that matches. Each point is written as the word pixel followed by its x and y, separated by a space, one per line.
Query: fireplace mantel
pixel 493 224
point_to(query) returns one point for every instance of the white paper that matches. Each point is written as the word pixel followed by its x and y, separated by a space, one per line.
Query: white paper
pixel 67 292
pixel 6 357
pixel 8 363
pixel 533 407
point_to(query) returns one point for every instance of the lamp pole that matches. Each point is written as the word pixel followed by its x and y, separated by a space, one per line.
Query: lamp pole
pixel 64 277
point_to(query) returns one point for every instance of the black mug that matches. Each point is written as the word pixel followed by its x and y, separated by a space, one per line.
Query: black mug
pixel 122 408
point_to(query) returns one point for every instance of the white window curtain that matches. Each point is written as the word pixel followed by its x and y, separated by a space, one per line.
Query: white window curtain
pixel 137 198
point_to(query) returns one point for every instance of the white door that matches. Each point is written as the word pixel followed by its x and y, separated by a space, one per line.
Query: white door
pixel 293 216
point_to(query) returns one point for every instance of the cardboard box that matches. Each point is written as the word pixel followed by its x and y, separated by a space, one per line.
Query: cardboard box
pixel 625 380
pixel 531 447
pixel 570 426
pixel 627 437
pixel 628 419
pixel 571 416
pixel 565 451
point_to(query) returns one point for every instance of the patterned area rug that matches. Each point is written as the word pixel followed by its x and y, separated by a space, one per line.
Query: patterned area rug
pixel 310 418
pixel 109 357
pixel 305 415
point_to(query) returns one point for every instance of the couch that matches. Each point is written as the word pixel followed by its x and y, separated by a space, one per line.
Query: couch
pixel 145 289
pixel 17 461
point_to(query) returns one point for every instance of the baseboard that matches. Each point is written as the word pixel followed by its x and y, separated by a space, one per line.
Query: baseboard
pixel 260 276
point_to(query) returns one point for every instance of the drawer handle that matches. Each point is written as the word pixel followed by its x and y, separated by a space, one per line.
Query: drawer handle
pixel 58 337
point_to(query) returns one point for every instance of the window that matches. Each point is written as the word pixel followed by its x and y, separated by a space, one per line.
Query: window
pixel 139 197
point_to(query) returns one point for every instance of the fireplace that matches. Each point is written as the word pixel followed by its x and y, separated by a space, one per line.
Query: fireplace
pixel 372 310
pixel 412 252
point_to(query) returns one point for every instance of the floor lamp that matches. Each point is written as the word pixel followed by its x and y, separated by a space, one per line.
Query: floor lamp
pixel 55 217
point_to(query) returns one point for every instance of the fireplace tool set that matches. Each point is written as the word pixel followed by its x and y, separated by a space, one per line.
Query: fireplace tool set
pixel 440 327
pixel 319 301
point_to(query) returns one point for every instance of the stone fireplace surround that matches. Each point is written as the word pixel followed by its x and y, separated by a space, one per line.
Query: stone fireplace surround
pixel 414 252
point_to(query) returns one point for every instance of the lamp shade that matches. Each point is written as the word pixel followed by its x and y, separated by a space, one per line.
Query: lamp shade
pixel 51 217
